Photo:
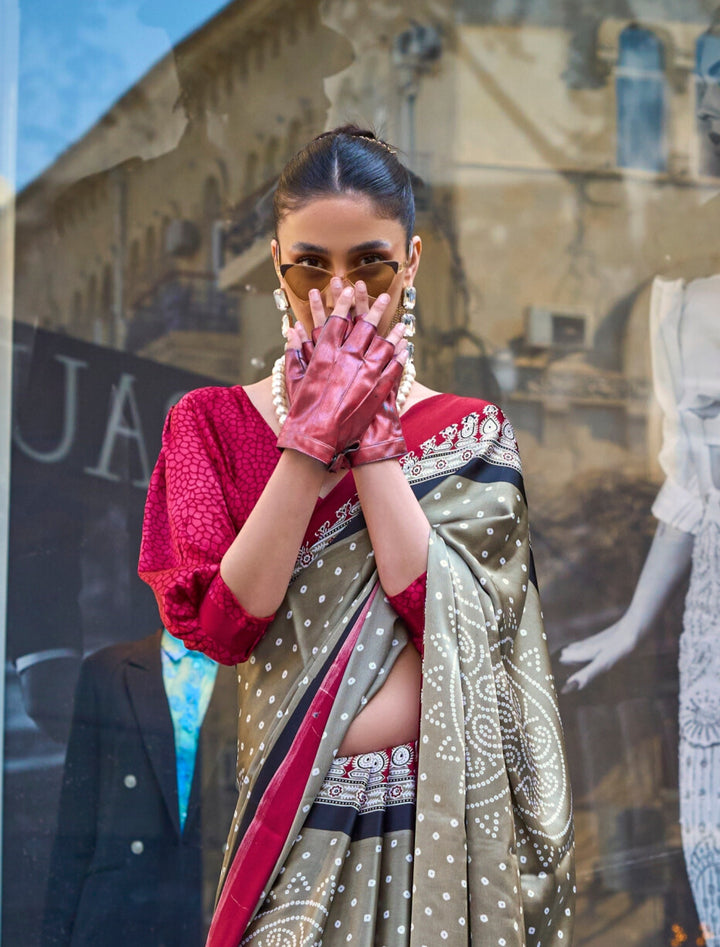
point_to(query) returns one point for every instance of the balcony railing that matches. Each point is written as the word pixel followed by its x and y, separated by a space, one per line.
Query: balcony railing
pixel 181 302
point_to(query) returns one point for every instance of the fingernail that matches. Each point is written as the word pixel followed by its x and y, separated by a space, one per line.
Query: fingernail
pixel 314 294
pixel 384 298
pixel 348 291
pixel 336 282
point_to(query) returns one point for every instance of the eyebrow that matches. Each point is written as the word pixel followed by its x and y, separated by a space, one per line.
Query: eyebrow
pixel 359 248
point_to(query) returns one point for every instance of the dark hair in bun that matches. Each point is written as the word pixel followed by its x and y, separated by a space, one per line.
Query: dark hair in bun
pixel 347 159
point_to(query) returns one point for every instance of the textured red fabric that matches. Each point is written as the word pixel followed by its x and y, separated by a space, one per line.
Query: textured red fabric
pixel 216 457
pixel 410 606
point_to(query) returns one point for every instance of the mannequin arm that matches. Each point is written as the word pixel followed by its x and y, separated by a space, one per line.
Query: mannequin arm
pixel 666 565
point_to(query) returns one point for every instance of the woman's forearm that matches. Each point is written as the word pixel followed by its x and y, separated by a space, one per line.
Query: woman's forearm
pixel 258 566
pixel 399 530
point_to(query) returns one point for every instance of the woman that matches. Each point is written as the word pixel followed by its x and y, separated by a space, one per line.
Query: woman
pixel 400 761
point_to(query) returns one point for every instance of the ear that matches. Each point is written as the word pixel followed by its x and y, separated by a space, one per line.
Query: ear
pixel 414 254
pixel 275 251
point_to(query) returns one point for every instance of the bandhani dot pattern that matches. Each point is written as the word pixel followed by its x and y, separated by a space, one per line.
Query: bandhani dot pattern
pixel 490 848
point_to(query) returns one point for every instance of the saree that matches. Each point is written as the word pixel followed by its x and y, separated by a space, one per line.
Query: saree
pixel 488 842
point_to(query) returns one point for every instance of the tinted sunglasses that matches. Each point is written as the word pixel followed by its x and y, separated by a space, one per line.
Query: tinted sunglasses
pixel 377 277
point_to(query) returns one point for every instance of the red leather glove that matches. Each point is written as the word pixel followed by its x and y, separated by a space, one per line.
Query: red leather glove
pixel 296 363
pixel 383 439
pixel 346 381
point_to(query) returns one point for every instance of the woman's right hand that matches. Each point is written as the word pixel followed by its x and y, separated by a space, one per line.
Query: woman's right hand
pixel 338 384
pixel 599 653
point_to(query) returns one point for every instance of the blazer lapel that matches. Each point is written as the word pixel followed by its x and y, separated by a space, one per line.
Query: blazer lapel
pixel 147 694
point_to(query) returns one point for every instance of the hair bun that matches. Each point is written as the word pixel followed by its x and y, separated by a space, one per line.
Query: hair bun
pixel 355 131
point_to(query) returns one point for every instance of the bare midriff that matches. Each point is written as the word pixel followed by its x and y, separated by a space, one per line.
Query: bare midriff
pixel 392 716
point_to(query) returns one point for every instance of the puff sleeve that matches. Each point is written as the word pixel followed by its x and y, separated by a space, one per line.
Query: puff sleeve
pixel 410 606
pixel 679 502
pixel 188 527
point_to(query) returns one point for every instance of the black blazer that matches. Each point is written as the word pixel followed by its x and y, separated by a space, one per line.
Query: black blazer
pixel 121 870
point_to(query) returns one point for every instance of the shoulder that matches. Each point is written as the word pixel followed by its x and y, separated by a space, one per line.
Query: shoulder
pixel 214 413
pixel 105 662
pixel 450 430
pixel 442 410
pixel 212 401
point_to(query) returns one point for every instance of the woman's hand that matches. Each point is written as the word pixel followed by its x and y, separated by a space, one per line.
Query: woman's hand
pixel 383 438
pixel 599 653
pixel 340 381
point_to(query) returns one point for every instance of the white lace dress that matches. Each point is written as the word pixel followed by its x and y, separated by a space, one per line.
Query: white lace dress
pixel 685 333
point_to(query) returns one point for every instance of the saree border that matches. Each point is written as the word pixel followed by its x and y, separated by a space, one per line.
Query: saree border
pixel 277 805
pixel 485 437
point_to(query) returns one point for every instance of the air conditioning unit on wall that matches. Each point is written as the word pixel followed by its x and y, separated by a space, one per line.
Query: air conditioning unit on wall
pixel 557 329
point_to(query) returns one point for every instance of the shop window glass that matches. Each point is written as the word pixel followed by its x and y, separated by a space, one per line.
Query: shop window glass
pixel 565 162
pixel 707 85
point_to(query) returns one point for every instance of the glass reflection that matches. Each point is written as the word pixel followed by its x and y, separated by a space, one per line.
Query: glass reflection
pixel 568 156
pixel 138 823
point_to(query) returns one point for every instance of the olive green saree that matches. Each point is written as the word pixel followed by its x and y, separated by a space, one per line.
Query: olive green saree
pixel 470 842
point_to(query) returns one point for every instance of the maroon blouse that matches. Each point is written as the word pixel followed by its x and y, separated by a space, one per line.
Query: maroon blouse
pixel 217 455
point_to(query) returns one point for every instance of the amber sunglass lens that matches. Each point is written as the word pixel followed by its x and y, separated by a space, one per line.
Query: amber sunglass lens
pixel 301 279
pixel 376 276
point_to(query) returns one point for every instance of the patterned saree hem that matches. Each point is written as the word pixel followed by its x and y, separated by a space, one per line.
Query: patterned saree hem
pixel 348 876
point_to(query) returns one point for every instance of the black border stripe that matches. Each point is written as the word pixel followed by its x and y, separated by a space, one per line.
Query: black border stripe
pixel 347 820
pixel 280 750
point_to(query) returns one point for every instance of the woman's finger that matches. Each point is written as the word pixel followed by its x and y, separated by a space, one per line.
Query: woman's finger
pixel 378 309
pixel 396 334
pixel 362 300
pixel 317 309
pixel 294 339
pixel 344 304
pixel 299 329
pixel 336 287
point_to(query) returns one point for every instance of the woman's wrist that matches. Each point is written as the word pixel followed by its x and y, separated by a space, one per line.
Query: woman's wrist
pixel 304 462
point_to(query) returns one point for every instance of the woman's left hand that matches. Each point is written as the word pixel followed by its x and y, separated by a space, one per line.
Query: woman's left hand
pixel 383 438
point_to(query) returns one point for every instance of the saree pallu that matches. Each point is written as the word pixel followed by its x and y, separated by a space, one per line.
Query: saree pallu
pixel 492 841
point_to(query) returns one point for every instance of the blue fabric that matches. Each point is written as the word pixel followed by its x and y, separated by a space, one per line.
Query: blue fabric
pixel 189 678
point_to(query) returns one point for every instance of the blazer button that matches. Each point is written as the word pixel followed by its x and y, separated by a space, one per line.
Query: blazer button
pixel 130 781
pixel 137 847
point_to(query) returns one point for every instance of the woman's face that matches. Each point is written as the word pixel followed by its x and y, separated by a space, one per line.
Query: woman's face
pixel 340 233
